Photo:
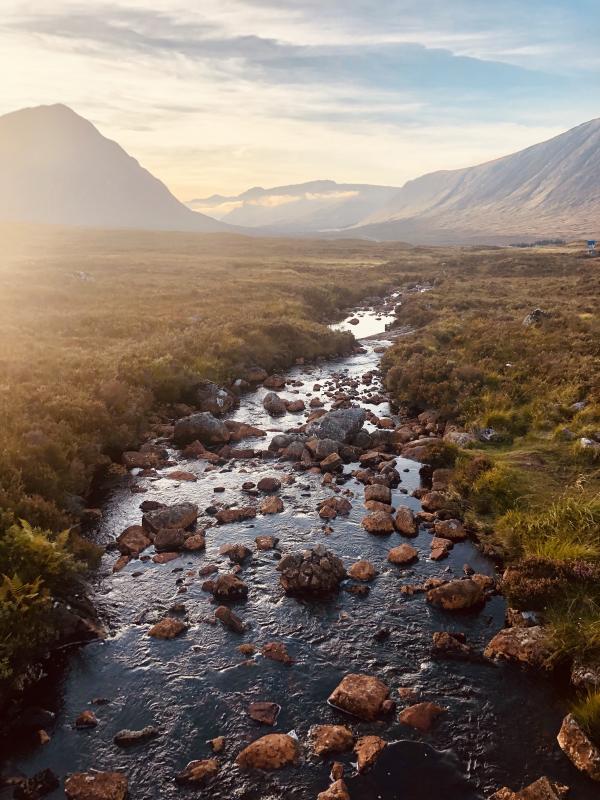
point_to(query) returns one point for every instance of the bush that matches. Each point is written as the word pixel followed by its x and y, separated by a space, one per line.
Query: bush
pixel 587 713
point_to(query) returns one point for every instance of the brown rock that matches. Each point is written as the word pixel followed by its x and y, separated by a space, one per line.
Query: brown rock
pixel 273 751
pixel 403 554
pixel 405 521
pixel 237 553
pixel 164 558
pixel 182 515
pixel 378 523
pixel 167 628
pixel 228 515
pixel 133 541
pixel 434 501
pixel 264 712
pixel 332 463
pixel 217 744
pixel 87 719
pixel 266 542
pixel 375 505
pixel 451 645
pixel 367 750
pixel 337 791
pixel 181 475
pixel 362 570
pixel 578 747
pixel 360 695
pixel 269 485
pixel 230 620
pixel 271 505
pixel 378 492
pixel 456 595
pixel 452 529
pixel 529 646
pixel 331 739
pixel 169 539
pixel 294 406
pixel 274 381
pixel 227 586
pixel 121 563
pixel 96 786
pixel 194 542
pixel 542 789
pixel 197 772
pixel 277 651
pixel 420 716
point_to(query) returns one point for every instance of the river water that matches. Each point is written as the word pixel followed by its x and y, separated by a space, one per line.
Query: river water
pixel 500 724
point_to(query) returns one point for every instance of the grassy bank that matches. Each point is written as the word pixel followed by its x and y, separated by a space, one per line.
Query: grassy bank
pixel 533 490
pixel 100 330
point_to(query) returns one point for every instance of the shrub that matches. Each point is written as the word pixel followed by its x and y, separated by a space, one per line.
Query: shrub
pixel 587 713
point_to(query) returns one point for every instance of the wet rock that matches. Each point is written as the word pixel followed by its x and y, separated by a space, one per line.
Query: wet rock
pixel 271 505
pixel 87 719
pixel 332 463
pixel 327 739
pixel 420 716
pixel 273 751
pixel 337 791
pixel 375 505
pixel 451 646
pixel 528 646
pixel 294 406
pixel 332 506
pixel 202 427
pixel 217 744
pixel 585 676
pixel 228 515
pixel 237 553
pixel 264 712
pixel 576 745
pixel 322 448
pixel 217 400
pixel 379 523
pixel 228 587
pixel 121 563
pixel 194 542
pixel 269 485
pixel 405 521
pixel 241 430
pixel 360 695
pixel 378 492
pixel 255 375
pixel 96 786
pixel 181 515
pixel 315 571
pixel 367 750
pixel 127 738
pixel 230 620
pixel 456 595
pixel 198 772
pixel 403 554
pixel 542 789
pixel 169 539
pixel 277 651
pixel 247 649
pixel 167 628
pixel 362 570
pixel 274 381
pixel 341 425
pixel 139 460
pixel 133 541
pixel 266 542
pixel 274 405
pixel 434 501
pixel 164 558
pixel 452 529
pixel 39 785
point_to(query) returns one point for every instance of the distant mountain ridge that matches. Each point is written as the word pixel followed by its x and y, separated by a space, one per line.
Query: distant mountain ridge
pixel 57 168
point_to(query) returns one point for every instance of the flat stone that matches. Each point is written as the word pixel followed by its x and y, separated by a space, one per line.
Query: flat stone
pixel 362 570
pixel 327 739
pixel 264 712
pixel 126 737
pixel 96 786
pixel 368 749
pixel 578 747
pixel 420 716
pixel 167 628
pixel 273 751
pixel 403 554
pixel 360 695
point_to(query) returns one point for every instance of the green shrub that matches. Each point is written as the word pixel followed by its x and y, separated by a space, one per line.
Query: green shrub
pixel 587 713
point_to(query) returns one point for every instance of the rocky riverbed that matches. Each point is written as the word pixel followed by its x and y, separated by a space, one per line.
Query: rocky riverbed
pixel 287 572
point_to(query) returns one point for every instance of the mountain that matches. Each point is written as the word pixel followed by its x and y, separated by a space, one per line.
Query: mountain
pixel 551 189
pixel 56 167
pixel 299 208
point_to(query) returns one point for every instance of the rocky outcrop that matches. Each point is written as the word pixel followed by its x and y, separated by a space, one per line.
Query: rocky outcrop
pixel 202 427
pixel 96 786
pixel 360 695
pixel 576 744
pixel 273 751
pixel 316 571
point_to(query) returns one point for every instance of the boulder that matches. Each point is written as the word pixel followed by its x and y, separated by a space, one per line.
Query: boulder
pixel 341 425
pixel 195 542
pixel 434 501
pixel 327 739
pixel 266 542
pixel 197 772
pixel 241 430
pixel 524 645
pixel 456 595
pixel 271 505
pixel 181 515
pixel 276 651
pixel 96 786
pixel 273 751
pixel 236 553
pixel 378 492
pixel 360 695
pixel 337 791
pixel 255 375
pixel 332 463
pixel 133 541
pixel 264 712
pixel 362 570
pixel 405 521
pixel 87 719
pixel 542 789
pixel 452 529
pixel 460 438
pixel 227 587
pixel 126 738
pixel 169 539
pixel 403 554
pixel 368 749
pixel 230 620
pixel 316 571
pixel 577 746
pixel 420 716
pixel 379 522
pixel 274 405
pixel 269 485
pixel 452 646
pixel 274 382
pixel 228 515
pixel 294 406
pixel 202 427
pixel 167 628
pixel 217 400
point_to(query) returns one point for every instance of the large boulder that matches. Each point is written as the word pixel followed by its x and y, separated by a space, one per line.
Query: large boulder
pixel 180 515
pixel 315 571
pixel 273 751
pixel 341 425
pixel 405 521
pixel 202 427
pixel 360 695
pixel 524 645
pixel 96 786
pixel 456 595
pixel 577 746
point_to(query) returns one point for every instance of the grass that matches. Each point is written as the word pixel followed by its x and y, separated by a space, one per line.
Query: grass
pixel 587 713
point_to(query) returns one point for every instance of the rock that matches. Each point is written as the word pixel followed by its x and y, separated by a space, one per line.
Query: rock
pixel 277 651
pixel 274 381
pixel 241 430
pixel 367 750
pixel 228 515
pixel 293 406
pixel 255 375
pixel 167 628
pixel 452 529
pixel 379 492
pixel 271 505
pixel 274 405
pixel 181 515
pixel 332 463
pixel 215 399
pixel 315 571
pixel 133 541
pixel 237 553
pixel 332 506
pixel 456 595
pixel 576 745
pixel 405 521
pixel 360 695
pixel 585 676
pixel 375 505
pixel 126 738
pixel 535 317
pixel 87 719
pixel 195 542
pixel 362 570
pixel 434 501
pixel 322 448
pixel 460 438
pixel 197 772
pixel 217 744
pixel 164 558
pixel 420 716
pixel 141 460
pixel 230 620
pixel 341 425
pixel 273 751
pixel 542 789
pixel 403 554
pixel 96 786
pixel 378 522
pixel 524 645
pixel 337 791
pixel 452 646
pixel 228 587
pixel 169 539
pixel 266 542
pixel 263 712
pixel 40 784
pixel 269 485
pixel 202 427
pixel 327 739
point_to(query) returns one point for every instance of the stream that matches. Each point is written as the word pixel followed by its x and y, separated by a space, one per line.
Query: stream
pixel 500 722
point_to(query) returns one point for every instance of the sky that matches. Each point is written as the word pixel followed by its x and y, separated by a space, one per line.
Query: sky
pixel 216 96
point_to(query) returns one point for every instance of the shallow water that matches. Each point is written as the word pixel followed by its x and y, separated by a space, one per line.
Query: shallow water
pixel 500 724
